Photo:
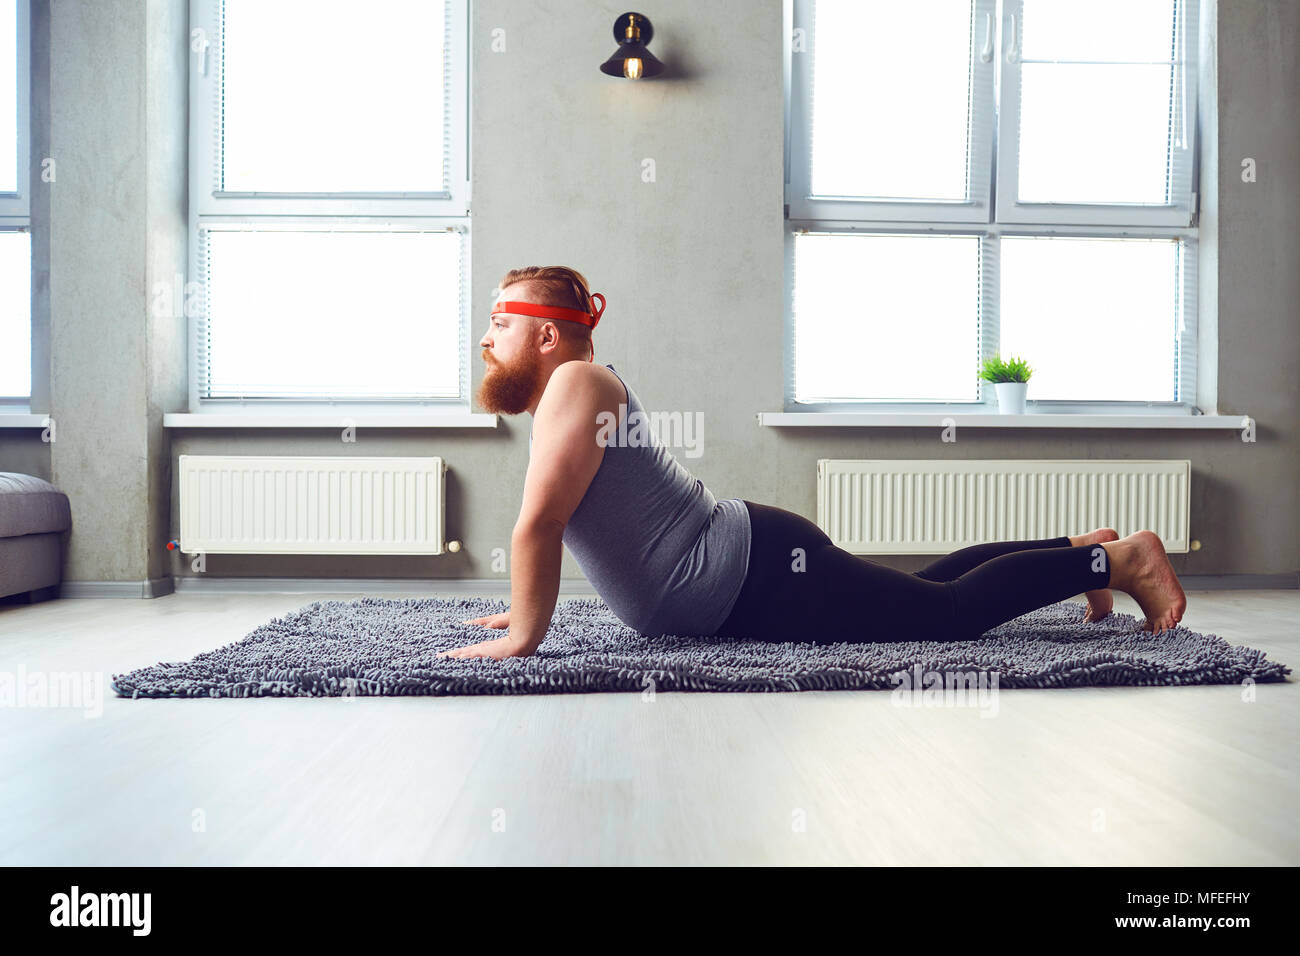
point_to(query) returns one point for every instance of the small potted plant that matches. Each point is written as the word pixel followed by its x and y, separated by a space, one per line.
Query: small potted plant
pixel 1010 379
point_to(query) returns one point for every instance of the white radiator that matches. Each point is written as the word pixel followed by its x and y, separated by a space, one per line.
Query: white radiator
pixel 933 507
pixel 291 505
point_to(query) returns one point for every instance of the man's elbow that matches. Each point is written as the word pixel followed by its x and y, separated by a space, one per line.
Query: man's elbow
pixel 538 528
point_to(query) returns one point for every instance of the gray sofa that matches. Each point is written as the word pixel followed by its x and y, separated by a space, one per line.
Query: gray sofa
pixel 33 516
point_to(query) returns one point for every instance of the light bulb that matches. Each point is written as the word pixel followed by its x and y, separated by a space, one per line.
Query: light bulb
pixel 632 68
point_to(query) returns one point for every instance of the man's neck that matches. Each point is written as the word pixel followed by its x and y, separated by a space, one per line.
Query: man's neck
pixel 532 409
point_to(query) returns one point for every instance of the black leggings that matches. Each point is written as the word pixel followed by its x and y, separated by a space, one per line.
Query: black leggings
pixel 823 593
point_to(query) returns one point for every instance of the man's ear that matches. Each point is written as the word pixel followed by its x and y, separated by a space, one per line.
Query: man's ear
pixel 550 335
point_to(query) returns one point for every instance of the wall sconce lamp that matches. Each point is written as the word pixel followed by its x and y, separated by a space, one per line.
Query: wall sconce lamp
pixel 632 60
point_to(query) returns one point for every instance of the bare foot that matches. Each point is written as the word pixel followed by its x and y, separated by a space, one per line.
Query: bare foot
pixel 1150 579
pixel 1100 602
pixel 1094 537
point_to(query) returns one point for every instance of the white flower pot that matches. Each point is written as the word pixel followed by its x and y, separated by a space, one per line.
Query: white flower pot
pixel 1011 397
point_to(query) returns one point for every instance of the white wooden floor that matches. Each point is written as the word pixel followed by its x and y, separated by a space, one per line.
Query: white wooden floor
pixel 1142 776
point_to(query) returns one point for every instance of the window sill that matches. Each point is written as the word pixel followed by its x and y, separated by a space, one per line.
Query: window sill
pixel 333 420
pixel 974 420
pixel 23 419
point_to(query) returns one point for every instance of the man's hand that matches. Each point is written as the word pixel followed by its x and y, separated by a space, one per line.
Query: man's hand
pixel 492 620
pixel 499 649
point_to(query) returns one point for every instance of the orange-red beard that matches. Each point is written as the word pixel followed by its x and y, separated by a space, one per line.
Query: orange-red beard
pixel 510 389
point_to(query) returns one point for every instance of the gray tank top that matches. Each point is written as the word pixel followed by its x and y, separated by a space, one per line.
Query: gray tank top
pixel 659 549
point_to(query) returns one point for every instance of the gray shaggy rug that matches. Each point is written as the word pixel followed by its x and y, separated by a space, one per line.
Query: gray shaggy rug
pixel 380 647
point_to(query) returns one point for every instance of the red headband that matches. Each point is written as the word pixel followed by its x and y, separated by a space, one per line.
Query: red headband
pixel 553 311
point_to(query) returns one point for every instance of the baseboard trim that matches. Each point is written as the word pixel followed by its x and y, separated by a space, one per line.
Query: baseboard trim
pixel 151 588
pixel 196 584
pixel 199 584
pixel 1240 582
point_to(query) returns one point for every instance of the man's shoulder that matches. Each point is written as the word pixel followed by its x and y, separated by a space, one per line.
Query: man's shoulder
pixel 585 383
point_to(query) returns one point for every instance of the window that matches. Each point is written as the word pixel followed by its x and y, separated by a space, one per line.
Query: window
pixel 968 177
pixel 15 206
pixel 329 202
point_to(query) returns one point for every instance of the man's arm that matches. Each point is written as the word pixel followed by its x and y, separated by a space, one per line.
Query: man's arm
pixel 535 554
pixel 565 458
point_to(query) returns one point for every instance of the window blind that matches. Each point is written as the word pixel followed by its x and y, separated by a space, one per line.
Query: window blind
pixel 329 96
pixel 9 139
pixel 1097 112
pixel 1059 96
pixel 332 315
pixel 329 201
pixel 895 105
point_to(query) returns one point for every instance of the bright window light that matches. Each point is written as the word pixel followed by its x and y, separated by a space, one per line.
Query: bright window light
pixel 891 87
pixel 1097 100
pixel 333 314
pixel 886 317
pixel 15 315
pixel 1089 30
pixel 8 96
pixel 1095 318
pixel 324 96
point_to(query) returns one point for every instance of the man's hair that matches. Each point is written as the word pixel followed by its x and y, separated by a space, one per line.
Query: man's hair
pixel 556 285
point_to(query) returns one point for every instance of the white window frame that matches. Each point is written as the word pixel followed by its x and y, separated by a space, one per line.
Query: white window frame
pixel 799 79
pixel 811 214
pixel 1181 208
pixel 16 206
pixel 211 209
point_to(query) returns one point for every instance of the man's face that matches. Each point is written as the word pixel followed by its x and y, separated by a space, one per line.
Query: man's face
pixel 514 367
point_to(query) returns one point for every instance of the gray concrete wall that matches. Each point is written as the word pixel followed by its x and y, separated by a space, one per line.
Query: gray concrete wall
pixel 117 227
pixel 691 265
pixel 1252 522
pixel 97 281
pixel 166 117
